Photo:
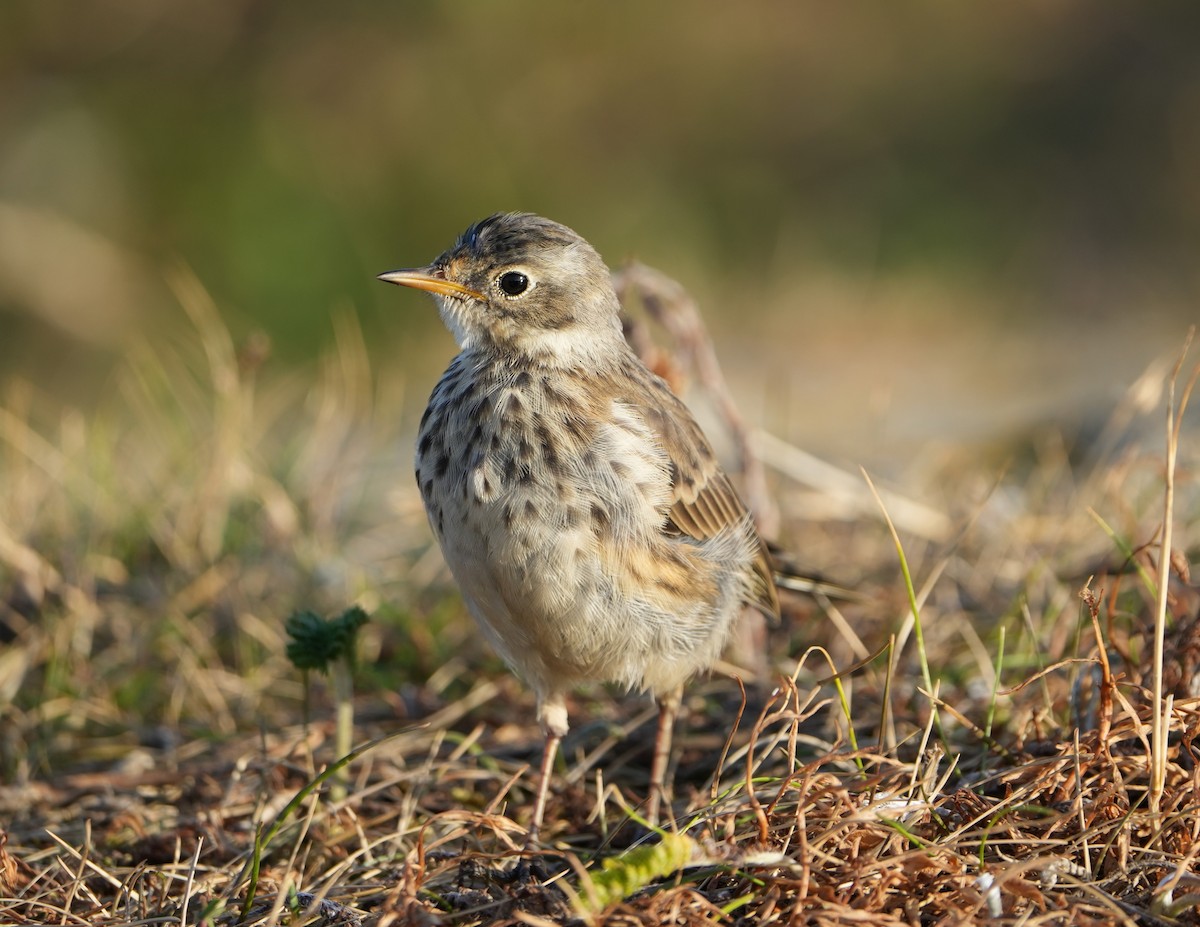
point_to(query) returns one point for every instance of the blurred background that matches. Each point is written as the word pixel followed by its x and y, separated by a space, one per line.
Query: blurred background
pixel 904 222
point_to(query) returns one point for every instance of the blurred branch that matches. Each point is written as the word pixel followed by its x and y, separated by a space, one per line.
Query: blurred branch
pixel 669 304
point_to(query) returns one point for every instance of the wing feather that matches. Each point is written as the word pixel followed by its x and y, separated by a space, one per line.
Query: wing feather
pixel 704 502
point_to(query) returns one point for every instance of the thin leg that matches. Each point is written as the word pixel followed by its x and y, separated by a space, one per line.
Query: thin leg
pixel 668 708
pixel 539 807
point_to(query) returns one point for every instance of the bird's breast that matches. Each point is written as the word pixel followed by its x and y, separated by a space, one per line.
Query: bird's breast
pixel 549 500
pixel 524 471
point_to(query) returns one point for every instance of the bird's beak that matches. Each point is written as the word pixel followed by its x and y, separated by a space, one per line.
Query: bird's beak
pixel 432 280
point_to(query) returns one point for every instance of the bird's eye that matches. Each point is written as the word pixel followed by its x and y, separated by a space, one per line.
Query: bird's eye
pixel 514 283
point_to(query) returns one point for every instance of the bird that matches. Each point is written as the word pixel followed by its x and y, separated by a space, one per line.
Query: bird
pixel 578 504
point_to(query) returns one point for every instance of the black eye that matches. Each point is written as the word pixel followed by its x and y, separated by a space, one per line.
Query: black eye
pixel 514 283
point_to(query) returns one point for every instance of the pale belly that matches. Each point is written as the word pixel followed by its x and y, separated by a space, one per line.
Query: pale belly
pixel 555 538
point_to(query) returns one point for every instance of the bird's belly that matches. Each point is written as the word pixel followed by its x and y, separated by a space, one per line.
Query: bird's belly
pixel 559 553
pixel 562 608
pixel 535 581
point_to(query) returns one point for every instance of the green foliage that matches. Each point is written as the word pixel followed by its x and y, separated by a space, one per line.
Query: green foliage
pixel 621 876
pixel 329 646
pixel 316 642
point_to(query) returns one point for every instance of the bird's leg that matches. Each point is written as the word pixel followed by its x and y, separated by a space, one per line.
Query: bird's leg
pixel 668 708
pixel 552 713
pixel 547 769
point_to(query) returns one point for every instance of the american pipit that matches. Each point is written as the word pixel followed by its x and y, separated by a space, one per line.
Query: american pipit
pixel 577 502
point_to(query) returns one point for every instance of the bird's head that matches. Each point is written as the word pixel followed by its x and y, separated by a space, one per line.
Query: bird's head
pixel 524 287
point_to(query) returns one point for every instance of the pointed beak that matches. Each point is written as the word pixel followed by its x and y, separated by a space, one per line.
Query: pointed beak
pixel 432 280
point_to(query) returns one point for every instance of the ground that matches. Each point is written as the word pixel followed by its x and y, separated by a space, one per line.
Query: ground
pixel 983 744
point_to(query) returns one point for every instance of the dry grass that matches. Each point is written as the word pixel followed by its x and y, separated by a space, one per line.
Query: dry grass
pixel 151 725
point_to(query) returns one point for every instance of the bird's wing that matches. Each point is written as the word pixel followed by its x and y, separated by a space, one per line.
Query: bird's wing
pixel 703 500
